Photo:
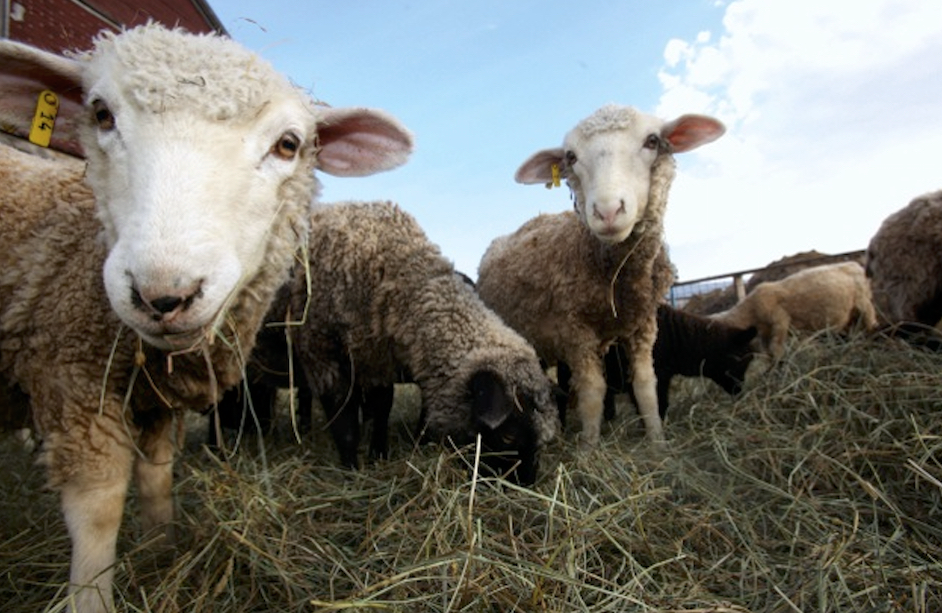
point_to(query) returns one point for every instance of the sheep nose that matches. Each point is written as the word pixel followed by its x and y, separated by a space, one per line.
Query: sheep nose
pixel 165 306
pixel 612 214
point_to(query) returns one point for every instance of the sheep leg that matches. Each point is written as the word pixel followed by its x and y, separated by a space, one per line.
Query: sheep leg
pixel 343 417
pixel 777 337
pixel 92 500
pixel 379 401
pixel 644 385
pixel 153 474
pixel 589 384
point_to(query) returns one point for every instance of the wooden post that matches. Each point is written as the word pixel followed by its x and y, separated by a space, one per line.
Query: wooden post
pixel 740 287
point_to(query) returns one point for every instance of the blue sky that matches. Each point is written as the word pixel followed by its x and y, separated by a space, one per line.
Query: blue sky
pixel 834 110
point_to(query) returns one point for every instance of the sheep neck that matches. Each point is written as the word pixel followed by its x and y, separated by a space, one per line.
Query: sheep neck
pixel 635 259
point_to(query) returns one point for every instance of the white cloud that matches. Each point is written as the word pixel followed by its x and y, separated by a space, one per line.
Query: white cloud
pixel 834 123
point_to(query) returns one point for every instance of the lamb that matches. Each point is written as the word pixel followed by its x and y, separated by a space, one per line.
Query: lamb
pixel 574 283
pixel 391 303
pixel 688 345
pixel 903 264
pixel 132 287
pixel 828 297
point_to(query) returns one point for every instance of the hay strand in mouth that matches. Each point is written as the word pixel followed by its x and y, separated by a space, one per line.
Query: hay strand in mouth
pixel 817 489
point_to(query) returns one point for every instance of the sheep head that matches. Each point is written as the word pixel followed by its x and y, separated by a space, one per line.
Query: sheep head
pixel 202 159
pixel 607 161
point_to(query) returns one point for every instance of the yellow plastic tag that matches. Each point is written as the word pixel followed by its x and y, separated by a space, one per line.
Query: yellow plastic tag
pixel 555 171
pixel 44 120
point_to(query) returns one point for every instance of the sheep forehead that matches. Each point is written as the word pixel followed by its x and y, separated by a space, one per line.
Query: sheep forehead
pixel 615 118
pixel 161 70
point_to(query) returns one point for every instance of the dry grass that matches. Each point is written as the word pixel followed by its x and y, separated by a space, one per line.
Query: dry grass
pixel 819 489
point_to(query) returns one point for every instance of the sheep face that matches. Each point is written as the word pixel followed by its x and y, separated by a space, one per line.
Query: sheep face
pixel 728 368
pixel 188 217
pixel 190 175
pixel 201 158
pixel 510 439
pixel 607 160
pixel 612 169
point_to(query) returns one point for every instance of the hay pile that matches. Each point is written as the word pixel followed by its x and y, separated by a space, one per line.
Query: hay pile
pixel 819 489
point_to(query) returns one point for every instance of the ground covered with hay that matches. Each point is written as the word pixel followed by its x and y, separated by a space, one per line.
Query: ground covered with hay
pixel 819 489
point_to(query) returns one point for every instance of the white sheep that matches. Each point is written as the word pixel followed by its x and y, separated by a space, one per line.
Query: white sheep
pixel 903 263
pixel 131 287
pixel 389 302
pixel 828 297
pixel 573 283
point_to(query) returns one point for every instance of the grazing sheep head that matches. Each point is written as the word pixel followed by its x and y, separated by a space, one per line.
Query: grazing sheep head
pixel 506 419
pixel 607 159
pixel 202 159
pixel 728 368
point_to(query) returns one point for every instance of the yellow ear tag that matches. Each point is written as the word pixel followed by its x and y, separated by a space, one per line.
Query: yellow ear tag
pixel 44 120
pixel 555 170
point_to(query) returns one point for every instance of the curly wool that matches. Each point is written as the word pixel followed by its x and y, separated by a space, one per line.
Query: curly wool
pixel 903 263
pixel 161 71
pixel 607 118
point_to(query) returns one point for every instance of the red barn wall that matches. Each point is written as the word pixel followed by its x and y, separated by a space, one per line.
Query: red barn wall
pixel 59 25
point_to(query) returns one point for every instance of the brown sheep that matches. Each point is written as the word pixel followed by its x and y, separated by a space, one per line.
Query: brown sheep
pixel 829 297
pixel 574 283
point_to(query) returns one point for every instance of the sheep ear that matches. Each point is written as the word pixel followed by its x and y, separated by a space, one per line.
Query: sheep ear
pixel 490 404
pixel 539 167
pixel 690 131
pixel 26 74
pixel 355 142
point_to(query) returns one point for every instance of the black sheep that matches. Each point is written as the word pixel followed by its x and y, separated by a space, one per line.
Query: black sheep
pixel 687 345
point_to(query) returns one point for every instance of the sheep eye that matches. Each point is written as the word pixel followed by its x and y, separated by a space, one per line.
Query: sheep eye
pixel 653 141
pixel 103 116
pixel 287 146
pixel 570 158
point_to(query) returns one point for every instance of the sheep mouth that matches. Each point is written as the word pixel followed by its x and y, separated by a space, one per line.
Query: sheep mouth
pixel 177 340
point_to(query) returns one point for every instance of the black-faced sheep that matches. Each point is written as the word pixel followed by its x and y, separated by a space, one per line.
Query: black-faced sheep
pixel 574 283
pixel 830 297
pixel 388 302
pixel 132 287
pixel 904 266
pixel 687 345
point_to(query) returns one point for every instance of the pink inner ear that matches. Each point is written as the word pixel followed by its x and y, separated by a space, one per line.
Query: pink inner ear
pixel 359 143
pixel 691 131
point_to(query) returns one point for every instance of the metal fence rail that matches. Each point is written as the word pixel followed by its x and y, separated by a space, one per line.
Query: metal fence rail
pixel 683 291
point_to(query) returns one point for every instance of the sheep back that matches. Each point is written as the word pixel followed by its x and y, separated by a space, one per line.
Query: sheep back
pixel 903 263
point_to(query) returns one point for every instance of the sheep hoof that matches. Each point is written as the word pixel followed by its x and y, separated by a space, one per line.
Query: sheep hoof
pixel 587 443
pixel 658 444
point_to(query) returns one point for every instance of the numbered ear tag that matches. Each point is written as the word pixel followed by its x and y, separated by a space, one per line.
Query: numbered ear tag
pixel 44 120
pixel 555 171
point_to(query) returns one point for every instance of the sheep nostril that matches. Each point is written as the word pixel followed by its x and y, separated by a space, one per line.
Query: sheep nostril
pixel 166 304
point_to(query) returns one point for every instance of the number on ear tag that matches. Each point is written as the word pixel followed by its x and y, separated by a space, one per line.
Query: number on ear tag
pixel 44 120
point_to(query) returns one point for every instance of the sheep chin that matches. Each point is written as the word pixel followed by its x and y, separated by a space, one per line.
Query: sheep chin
pixel 176 341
